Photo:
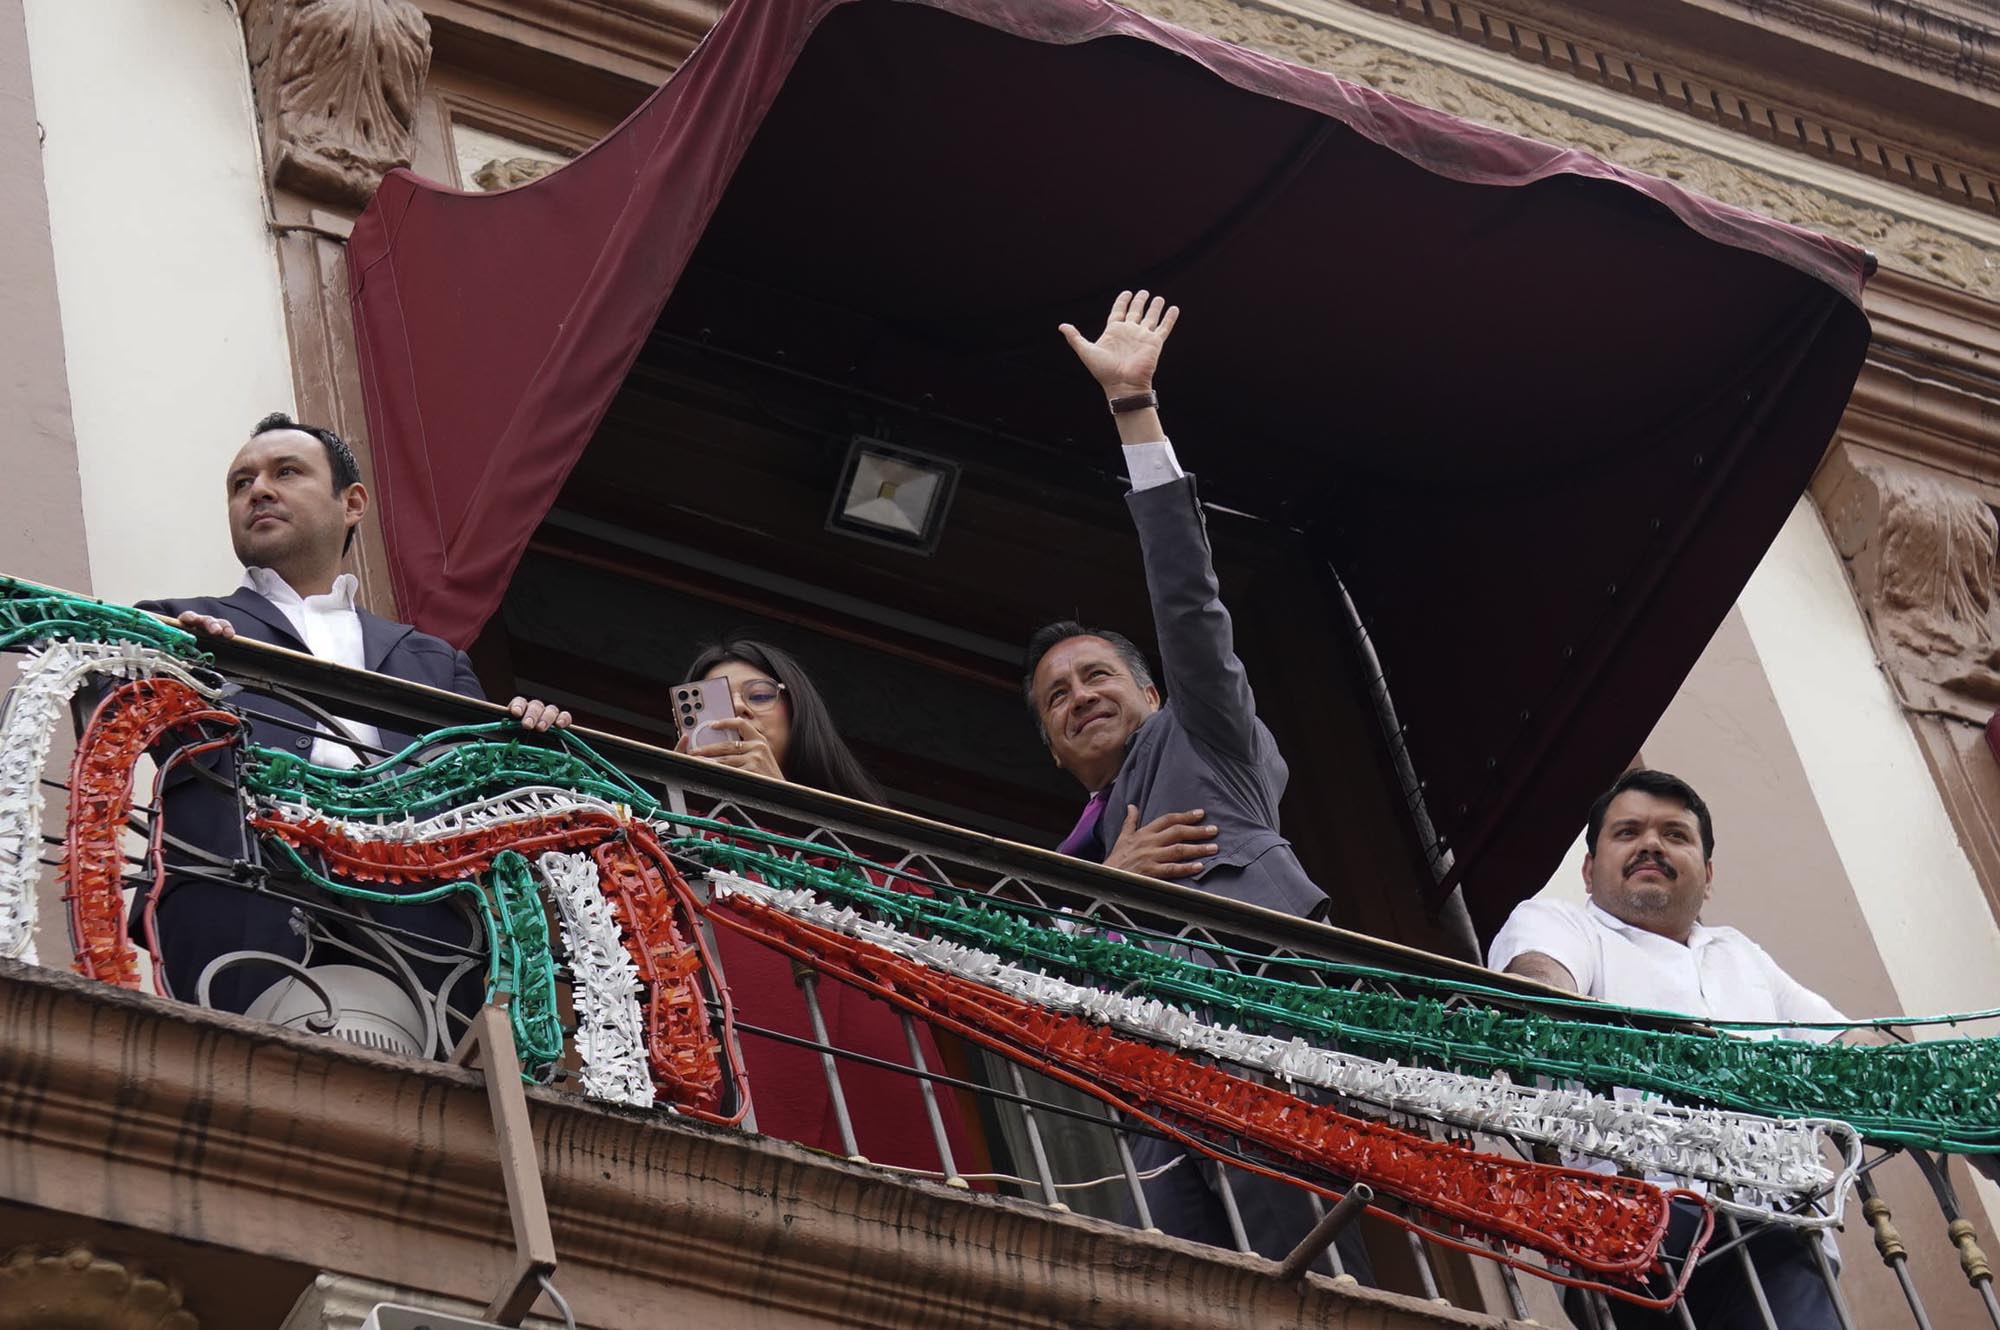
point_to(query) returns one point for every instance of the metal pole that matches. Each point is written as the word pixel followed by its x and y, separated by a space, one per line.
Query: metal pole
pixel 1220 1176
pixel 1048 1181
pixel 1750 1276
pixel 951 1177
pixel 1832 1281
pixel 488 1047
pixel 809 985
pixel 1344 1212
pixel 1890 1243
pixel 1143 1211
pixel 1425 1276
pixel 1333 1260
pixel 1959 1229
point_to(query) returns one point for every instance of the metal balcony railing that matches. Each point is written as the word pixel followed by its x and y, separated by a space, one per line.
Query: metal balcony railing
pixel 379 944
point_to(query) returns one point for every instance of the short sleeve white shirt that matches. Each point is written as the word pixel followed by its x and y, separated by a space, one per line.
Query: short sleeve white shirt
pixel 1718 974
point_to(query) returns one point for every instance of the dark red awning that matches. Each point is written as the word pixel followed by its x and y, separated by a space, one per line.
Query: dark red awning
pixel 1541 413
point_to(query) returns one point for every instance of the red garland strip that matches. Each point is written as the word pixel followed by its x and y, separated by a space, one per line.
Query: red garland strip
pixel 131 719
pixel 656 911
pixel 1606 1224
pixel 459 854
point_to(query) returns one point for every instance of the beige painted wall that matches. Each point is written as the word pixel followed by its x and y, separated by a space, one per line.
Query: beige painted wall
pixel 41 505
pixel 171 310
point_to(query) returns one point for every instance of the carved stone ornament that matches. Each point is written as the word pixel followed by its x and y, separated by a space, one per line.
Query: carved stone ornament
pixel 1922 552
pixel 337 84
pixel 80 1290
pixel 1956 260
pixel 507 172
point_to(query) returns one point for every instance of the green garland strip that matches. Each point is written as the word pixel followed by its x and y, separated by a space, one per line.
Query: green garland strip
pixel 31 614
pixel 524 965
pixel 1941 1094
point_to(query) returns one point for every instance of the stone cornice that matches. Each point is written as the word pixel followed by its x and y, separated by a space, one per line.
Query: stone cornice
pixel 1930 392
pixel 640 40
pixel 221 1130
pixel 1952 43
pixel 1904 92
pixel 1953 246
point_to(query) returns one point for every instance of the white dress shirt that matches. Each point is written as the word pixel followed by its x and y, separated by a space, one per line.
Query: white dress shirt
pixel 1719 974
pixel 331 630
pixel 1151 464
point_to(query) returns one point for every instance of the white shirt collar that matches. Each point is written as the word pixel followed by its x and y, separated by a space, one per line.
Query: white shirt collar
pixel 1698 937
pixel 279 592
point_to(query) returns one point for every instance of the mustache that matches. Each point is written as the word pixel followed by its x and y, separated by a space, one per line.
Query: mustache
pixel 1648 859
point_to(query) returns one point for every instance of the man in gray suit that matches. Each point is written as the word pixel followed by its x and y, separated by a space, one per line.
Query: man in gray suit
pixel 1163 767
pixel 1196 778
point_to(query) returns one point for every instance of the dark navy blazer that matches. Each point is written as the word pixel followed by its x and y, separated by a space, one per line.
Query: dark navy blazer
pixel 199 921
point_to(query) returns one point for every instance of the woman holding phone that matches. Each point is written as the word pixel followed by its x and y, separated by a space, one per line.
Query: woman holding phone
pixel 782 729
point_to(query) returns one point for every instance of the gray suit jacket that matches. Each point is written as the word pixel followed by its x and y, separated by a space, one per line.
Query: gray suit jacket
pixel 1205 748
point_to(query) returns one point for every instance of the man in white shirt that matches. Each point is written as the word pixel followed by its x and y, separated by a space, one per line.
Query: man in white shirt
pixel 1639 942
pixel 295 502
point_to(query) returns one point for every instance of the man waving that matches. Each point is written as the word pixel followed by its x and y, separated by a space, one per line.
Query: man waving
pixel 1181 787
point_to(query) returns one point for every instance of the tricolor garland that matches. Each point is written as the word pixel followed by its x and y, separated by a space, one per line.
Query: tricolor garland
pixel 1763 1161
pixel 51 676
pixel 1135 1019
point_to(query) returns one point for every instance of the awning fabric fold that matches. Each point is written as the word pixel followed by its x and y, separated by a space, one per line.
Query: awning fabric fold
pixel 1540 413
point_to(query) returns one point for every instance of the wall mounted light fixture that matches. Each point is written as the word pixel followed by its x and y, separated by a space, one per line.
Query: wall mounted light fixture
pixel 892 495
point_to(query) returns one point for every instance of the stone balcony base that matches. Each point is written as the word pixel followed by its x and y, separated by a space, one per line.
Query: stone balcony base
pixel 211 1133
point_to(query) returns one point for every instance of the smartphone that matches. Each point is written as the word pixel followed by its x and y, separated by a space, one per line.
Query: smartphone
pixel 700 702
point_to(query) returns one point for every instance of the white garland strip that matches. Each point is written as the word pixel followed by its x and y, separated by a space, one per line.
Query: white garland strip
pixel 525 804
pixel 37 703
pixel 610 1032
pixel 1766 1161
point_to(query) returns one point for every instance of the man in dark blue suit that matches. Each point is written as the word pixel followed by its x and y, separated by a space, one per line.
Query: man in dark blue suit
pixel 295 501
pixel 1181 788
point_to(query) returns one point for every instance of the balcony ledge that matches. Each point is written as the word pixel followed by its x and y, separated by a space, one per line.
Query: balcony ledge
pixel 131 1110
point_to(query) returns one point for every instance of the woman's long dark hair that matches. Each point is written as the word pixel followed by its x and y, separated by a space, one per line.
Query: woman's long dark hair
pixel 817 755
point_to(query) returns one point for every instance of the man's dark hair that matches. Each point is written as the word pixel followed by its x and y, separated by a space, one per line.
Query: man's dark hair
pixel 1662 786
pixel 339 457
pixel 1049 636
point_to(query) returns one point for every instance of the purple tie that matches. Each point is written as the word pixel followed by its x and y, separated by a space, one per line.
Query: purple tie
pixel 1086 826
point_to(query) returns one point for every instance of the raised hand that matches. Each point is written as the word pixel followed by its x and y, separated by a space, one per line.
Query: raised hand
pixel 1173 845
pixel 1126 354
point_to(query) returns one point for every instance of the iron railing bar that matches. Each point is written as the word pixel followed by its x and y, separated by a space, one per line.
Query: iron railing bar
pixel 1889 1244
pixel 936 1118
pixel 1749 1267
pixel 1141 1209
pixel 1041 1156
pixel 1425 1275
pixel 809 985
pixel 1831 1279
pixel 342 739
pixel 941 1078
pixel 1219 1178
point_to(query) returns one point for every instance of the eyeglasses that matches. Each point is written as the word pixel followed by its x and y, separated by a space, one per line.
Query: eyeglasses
pixel 760 694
